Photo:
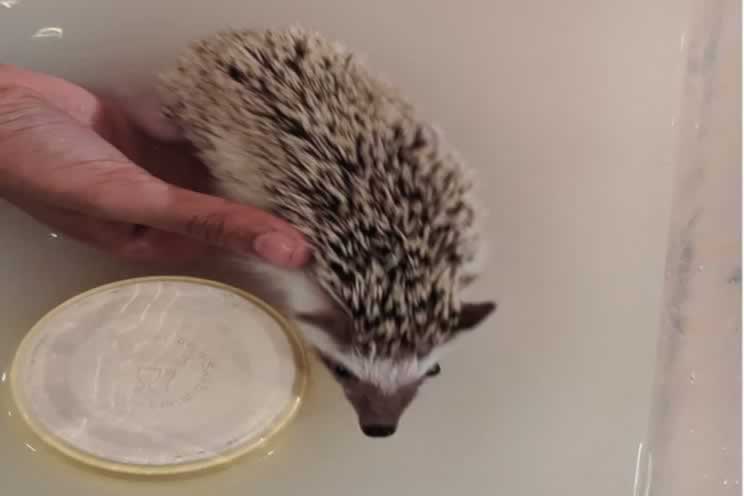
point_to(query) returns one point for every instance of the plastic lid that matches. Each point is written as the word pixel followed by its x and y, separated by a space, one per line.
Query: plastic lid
pixel 159 375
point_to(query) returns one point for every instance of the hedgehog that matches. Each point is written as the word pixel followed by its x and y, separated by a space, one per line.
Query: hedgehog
pixel 294 123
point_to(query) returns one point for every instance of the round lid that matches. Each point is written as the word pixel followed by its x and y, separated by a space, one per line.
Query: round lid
pixel 159 375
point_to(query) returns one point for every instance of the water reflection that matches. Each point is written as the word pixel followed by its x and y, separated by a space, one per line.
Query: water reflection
pixel 49 32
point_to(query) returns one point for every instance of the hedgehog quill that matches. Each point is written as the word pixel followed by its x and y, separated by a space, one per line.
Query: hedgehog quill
pixel 289 121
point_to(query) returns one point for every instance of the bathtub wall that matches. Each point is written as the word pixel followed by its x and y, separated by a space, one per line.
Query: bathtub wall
pixel 696 428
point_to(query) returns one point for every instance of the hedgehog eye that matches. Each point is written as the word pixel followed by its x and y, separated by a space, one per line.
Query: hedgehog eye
pixel 341 372
pixel 434 371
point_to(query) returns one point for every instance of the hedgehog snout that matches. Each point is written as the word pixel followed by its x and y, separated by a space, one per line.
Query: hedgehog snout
pixel 379 430
pixel 379 412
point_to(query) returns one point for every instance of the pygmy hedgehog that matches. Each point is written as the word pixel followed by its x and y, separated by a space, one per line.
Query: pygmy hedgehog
pixel 290 122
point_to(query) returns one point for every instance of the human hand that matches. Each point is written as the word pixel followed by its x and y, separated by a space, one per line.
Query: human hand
pixel 79 165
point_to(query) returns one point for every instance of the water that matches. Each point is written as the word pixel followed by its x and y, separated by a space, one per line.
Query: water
pixel 49 32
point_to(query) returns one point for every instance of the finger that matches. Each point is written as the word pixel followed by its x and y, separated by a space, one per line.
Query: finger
pixel 122 240
pixel 241 228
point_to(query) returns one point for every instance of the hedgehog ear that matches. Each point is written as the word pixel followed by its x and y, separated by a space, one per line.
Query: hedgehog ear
pixel 472 314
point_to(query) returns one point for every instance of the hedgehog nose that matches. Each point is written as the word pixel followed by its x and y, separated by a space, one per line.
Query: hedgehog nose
pixel 378 430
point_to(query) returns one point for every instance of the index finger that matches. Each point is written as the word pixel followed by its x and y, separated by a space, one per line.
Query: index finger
pixel 241 228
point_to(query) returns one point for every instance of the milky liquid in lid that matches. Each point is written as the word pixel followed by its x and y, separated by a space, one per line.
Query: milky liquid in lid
pixel 159 375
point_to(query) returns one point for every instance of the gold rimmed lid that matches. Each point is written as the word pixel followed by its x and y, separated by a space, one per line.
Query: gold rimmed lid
pixel 159 375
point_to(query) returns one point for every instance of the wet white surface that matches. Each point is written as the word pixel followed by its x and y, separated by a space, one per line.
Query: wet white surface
pixel 569 110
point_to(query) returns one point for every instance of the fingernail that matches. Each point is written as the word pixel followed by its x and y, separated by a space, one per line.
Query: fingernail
pixel 278 248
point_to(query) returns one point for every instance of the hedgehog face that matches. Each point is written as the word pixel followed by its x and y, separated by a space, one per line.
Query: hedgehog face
pixel 379 388
pixel 379 401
